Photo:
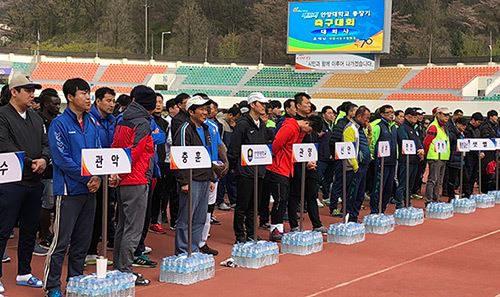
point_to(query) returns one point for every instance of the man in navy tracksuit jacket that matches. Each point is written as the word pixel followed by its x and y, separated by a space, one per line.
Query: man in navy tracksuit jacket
pixel 69 133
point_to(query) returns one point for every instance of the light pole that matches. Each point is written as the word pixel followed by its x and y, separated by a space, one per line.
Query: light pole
pixel 162 36
pixel 146 6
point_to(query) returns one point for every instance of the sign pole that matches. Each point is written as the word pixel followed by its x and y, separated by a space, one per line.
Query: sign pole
pixel 104 236
pixel 407 180
pixel 479 171
pixel 255 200
pixel 190 214
pixel 381 185
pixel 462 155
pixel 496 169
pixel 344 189
pixel 302 196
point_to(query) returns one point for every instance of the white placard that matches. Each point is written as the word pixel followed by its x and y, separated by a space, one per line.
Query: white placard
pixel 11 167
pixel 305 152
pixel 463 145
pixel 497 143
pixel 409 147
pixel 384 149
pixel 106 161
pixel 256 154
pixel 344 150
pixel 440 146
pixel 482 144
pixel 189 157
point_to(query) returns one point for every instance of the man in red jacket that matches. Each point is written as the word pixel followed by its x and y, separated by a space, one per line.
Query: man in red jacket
pixel 134 132
pixel 278 174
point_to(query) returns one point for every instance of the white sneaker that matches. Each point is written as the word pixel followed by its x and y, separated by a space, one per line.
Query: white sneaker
pixel 320 204
pixel 91 259
pixel 2 289
pixel 271 200
pixel 147 250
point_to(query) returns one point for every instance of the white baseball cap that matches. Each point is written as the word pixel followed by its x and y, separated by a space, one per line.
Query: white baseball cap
pixel 20 80
pixel 257 96
pixel 197 101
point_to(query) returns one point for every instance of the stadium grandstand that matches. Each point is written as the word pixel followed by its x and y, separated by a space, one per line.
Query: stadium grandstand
pixel 464 85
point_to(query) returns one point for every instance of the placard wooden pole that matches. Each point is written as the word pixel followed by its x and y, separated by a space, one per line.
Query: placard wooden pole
pixel 104 235
pixel 381 191
pixel 479 171
pixel 407 180
pixel 255 200
pixel 462 155
pixel 190 213
pixel 344 189
pixel 302 196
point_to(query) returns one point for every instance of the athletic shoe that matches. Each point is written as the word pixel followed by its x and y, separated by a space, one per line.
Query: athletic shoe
pixel 417 196
pixel 32 282
pixel 140 280
pixel 250 238
pixel 265 226
pixel 294 229
pixel 275 235
pixel 54 293
pixel 147 250
pixel 208 250
pixel 240 240
pixel 214 221
pixel 321 229
pixel 172 228
pixel 40 250
pixel 2 288
pixel 144 261
pixel 5 258
pixel 45 243
pixel 320 204
pixel 233 205
pixel 326 201
pixel 157 228
pixel 223 206
pixel 11 235
pixel 335 213
pixel 90 259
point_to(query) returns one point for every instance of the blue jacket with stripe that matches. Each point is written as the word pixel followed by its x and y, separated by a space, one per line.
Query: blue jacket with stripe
pixel 66 141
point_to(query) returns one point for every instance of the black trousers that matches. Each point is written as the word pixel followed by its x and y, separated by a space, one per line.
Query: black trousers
pixel 310 203
pixel 265 199
pixel 171 198
pixel 73 228
pixel 97 230
pixel 453 182
pixel 471 175
pixel 279 187
pixel 23 203
pixel 142 246
pixel 160 195
pixel 243 223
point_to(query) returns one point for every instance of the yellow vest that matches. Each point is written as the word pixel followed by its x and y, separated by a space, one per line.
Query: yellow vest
pixel 441 135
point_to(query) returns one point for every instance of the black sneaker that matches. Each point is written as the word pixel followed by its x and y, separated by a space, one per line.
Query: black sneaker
pixel 214 221
pixel 275 235
pixel 250 238
pixel 45 243
pixel 240 240
pixel 144 261
pixel 140 280
pixel 208 250
pixel 265 226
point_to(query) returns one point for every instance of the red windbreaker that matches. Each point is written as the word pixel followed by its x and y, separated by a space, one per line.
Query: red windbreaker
pixel 287 135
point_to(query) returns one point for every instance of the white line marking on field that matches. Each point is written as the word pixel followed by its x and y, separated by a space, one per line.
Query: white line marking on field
pixel 344 284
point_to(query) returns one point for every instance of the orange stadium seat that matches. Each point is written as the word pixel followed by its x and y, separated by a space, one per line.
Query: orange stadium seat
pixel 64 70
pixel 424 97
pixel 448 77
pixel 382 78
pixel 348 96
pixel 117 89
pixel 130 73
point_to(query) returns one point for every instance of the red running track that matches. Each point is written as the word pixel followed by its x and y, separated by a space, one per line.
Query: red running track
pixel 455 257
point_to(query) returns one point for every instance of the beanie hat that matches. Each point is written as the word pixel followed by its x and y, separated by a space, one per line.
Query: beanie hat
pixel 144 96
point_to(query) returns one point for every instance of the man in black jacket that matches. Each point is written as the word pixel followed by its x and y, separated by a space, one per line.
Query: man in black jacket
pixel 250 129
pixel 453 165
pixel 193 133
pixel 21 129
pixel 182 116
pixel 489 129
pixel 325 159
pixel 471 166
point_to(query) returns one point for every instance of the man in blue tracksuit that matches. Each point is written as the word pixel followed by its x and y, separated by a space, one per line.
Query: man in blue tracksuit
pixel 69 133
pixel 385 130
pixel 407 131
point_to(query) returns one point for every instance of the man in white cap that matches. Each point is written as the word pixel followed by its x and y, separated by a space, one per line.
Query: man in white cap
pixel 194 132
pixel 250 129
pixel 21 129
pixel 437 161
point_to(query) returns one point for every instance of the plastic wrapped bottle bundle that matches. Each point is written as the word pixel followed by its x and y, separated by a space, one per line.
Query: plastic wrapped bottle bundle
pixel 255 254
pixel 439 210
pixel 463 205
pixel 409 216
pixel 379 223
pixel 115 284
pixel 484 200
pixel 302 243
pixel 184 270
pixel 495 194
pixel 346 233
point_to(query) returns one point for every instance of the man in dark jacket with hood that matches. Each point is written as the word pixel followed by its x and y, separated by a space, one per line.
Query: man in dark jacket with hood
pixel 182 116
pixel 471 167
pixel 250 129
pixel 453 165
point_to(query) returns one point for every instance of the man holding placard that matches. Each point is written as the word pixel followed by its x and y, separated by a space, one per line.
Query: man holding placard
pixel 21 129
pixel 194 132
pixel 250 129
pixel 437 150
pixel 69 133
pixel 134 132
pixel 471 167
pixel 385 130
pixel 453 166
pixel 407 132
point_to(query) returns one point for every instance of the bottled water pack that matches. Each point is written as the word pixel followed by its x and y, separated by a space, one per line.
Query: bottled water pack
pixel 484 200
pixel 439 210
pixel 184 270
pixel 379 223
pixel 495 194
pixel 346 233
pixel 409 216
pixel 116 284
pixel 302 243
pixel 255 254
pixel 463 205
